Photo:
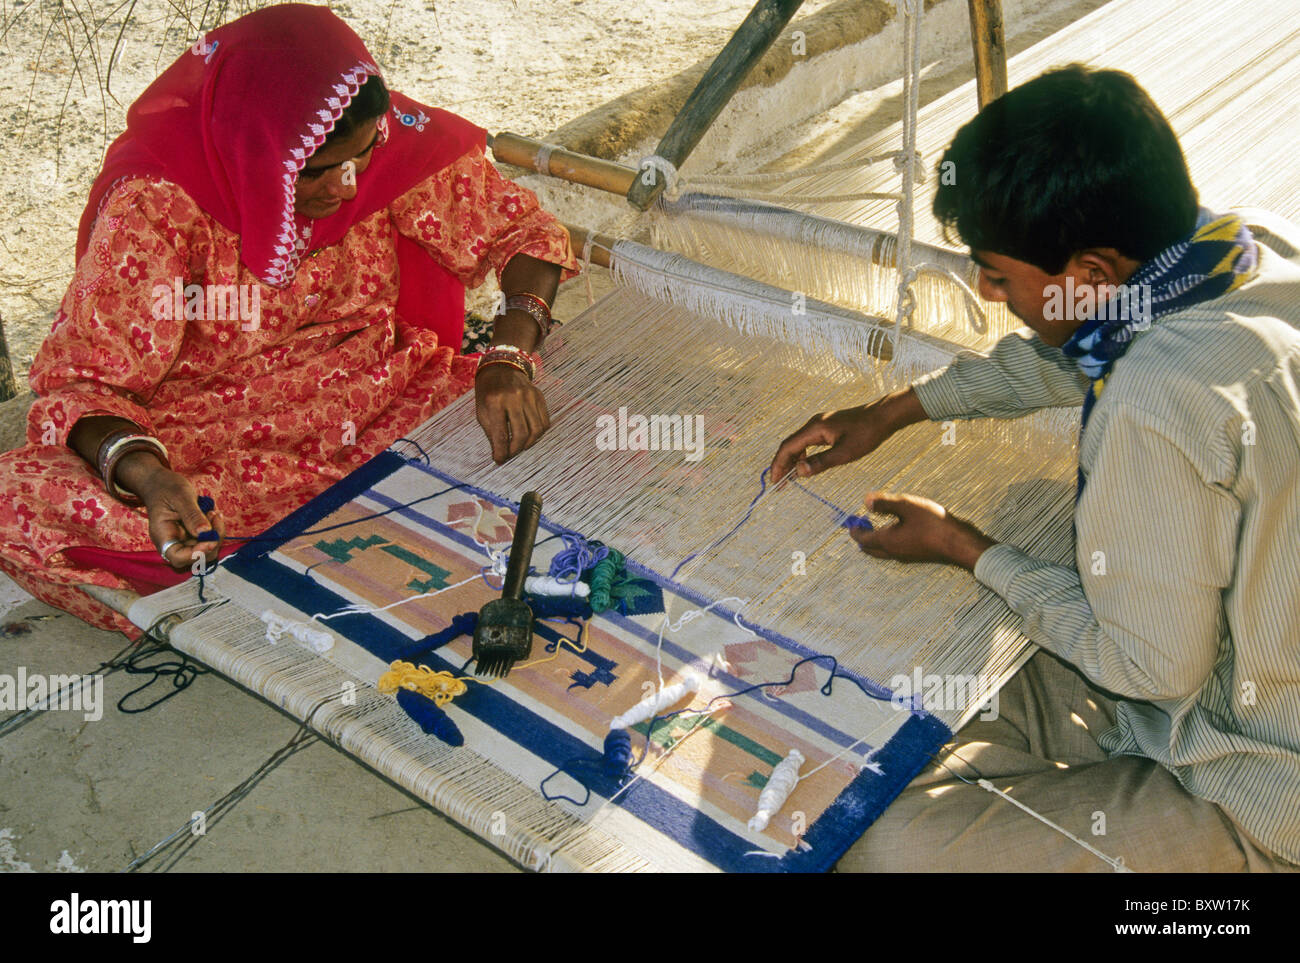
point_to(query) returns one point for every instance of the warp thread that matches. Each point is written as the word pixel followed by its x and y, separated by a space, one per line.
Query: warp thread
pixel 847 519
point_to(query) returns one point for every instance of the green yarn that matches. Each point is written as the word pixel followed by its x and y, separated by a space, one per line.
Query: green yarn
pixel 603 577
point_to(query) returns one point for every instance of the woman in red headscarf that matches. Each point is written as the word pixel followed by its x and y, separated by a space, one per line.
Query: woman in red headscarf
pixel 269 290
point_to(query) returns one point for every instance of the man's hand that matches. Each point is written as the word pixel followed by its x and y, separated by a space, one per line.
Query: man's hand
pixel 850 433
pixel 924 532
pixel 510 409
pixel 172 506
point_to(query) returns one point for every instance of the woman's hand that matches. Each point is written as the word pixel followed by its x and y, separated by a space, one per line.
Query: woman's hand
pixel 510 409
pixel 172 506
pixel 850 433
pixel 924 532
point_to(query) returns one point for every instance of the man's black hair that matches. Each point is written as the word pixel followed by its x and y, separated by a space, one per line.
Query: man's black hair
pixel 1075 158
pixel 370 102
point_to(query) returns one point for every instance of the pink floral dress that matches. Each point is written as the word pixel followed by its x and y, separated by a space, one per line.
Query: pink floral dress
pixel 260 413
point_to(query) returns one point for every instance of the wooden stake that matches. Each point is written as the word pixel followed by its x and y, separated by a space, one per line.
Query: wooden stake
pixel 720 81
pixel 990 49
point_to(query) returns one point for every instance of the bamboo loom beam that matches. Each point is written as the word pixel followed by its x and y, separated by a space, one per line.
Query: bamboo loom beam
pixel 579 168
pixel 601 244
pixel 990 48
pixel 121 600
pixel 724 76
pixel 606 175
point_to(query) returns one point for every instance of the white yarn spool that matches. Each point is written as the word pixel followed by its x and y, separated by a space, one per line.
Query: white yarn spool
pixel 777 790
pixel 652 705
pixel 277 625
pixel 549 585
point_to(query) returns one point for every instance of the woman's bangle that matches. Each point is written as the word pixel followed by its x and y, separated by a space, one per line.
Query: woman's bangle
pixel 517 365
pixel 527 362
pixel 117 446
pixel 534 307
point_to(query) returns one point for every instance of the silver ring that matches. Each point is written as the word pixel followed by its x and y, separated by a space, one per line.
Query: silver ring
pixel 166 547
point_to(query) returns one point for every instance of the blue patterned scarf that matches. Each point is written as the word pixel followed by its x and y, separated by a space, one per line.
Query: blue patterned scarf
pixel 1218 257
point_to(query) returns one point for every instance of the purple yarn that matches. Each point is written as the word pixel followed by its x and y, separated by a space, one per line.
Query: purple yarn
pixel 576 557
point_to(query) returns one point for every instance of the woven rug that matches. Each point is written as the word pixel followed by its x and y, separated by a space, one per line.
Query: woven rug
pixel 688 805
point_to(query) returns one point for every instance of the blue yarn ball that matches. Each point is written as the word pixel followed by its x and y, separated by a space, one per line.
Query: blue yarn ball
pixel 618 753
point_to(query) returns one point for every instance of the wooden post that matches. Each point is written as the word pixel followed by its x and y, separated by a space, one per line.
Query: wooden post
pixel 720 81
pixel 8 386
pixel 990 49
pixel 565 164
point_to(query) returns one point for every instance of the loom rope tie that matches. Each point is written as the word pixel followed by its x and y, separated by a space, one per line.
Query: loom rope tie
pixel 662 167
pixel 544 158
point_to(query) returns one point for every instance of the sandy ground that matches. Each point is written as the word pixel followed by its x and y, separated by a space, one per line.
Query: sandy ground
pixel 80 796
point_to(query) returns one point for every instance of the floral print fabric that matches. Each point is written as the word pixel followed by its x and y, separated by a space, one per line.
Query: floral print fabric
pixel 261 410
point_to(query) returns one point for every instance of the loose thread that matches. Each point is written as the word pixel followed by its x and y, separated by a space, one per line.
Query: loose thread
pixel 1115 862
pixel 847 519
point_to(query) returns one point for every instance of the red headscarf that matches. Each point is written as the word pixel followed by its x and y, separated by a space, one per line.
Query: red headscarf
pixel 235 119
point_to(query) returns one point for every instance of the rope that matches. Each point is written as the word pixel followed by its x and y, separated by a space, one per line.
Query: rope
pixel 911 12
pixel 544 158
pixel 664 168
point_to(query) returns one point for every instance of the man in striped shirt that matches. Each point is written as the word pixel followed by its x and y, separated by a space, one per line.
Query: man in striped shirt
pixel 1164 726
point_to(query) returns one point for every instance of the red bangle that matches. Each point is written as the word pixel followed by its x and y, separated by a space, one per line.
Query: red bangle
pixel 534 307
pixel 517 365
pixel 527 362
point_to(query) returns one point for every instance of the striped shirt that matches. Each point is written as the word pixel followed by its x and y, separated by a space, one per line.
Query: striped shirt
pixel 1185 596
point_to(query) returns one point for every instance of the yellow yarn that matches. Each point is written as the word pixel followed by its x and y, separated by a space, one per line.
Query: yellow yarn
pixel 441 687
